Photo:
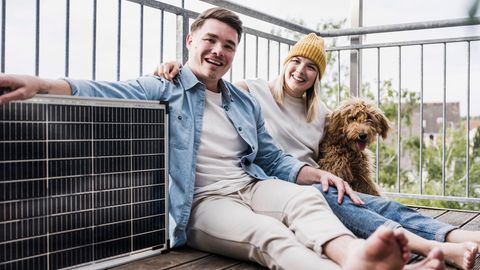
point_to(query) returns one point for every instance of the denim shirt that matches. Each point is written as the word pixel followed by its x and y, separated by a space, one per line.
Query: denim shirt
pixel 186 99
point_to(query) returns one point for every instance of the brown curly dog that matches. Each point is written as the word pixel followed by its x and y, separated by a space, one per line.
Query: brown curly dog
pixel 348 131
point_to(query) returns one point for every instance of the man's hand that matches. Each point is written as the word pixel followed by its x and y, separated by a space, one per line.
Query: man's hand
pixel 309 176
pixel 22 87
pixel 168 70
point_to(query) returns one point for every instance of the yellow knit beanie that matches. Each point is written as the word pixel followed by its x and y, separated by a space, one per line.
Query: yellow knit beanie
pixel 312 47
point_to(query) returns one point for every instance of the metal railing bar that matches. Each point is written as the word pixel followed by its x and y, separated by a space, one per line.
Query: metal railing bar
pixel 245 56
pixel 377 148
pixel 67 38
pixel 432 197
pixel 399 115
pixel 162 22
pixel 141 39
pixel 94 41
pixel 167 7
pixel 467 169
pixel 405 43
pixel 184 30
pixel 268 59
pixel 344 32
pixel 119 38
pixel 261 16
pixel 37 38
pixel 261 34
pixel 256 56
pixel 444 120
pixel 359 68
pixel 401 27
pixel 421 119
pixel 279 59
pixel 339 79
pixel 4 12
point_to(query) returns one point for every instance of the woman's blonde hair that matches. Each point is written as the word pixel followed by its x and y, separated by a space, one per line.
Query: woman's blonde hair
pixel 312 95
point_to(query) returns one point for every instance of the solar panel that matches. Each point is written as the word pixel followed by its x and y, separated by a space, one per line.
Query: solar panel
pixel 83 182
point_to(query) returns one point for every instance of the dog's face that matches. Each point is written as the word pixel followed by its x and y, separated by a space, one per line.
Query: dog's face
pixel 358 121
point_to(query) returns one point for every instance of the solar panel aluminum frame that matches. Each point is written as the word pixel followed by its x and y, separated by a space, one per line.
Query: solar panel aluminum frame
pixel 155 189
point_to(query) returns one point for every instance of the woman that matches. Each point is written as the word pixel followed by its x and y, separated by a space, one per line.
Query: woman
pixel 293 98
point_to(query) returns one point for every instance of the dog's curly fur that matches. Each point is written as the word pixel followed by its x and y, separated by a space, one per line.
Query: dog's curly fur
pixel 348 131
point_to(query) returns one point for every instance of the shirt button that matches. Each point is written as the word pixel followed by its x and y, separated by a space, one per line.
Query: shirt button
pixel 179 117
pixel 253 147
pixel 225 107
pixel 239 128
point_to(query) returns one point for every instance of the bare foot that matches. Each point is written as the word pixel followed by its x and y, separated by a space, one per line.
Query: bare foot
pixel 383 250
pixel 434 261
pixel 460 255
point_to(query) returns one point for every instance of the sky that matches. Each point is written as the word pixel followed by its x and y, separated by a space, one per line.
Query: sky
pixel 20 43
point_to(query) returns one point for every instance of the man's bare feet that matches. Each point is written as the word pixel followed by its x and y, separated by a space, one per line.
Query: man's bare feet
pixel 383 250
pixel 434 261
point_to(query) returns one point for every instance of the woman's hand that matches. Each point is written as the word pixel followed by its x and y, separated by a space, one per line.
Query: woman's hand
pixel 168 70
pixel 309 175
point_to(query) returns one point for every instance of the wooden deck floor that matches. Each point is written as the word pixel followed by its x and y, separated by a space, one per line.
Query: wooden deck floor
pixel 187 258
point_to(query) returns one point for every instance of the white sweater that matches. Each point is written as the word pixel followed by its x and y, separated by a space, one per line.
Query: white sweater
pixel 287 122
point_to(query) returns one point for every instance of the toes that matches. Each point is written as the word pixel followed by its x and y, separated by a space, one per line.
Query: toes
pixel 470 256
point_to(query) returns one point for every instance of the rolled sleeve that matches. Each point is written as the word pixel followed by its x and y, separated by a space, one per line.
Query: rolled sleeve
pixel 295 170
pixel 143 88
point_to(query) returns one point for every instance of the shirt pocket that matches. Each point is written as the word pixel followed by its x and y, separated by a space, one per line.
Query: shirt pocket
pixel 180 130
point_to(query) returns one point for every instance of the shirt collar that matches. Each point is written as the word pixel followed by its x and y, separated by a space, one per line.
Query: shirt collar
pixel 189 81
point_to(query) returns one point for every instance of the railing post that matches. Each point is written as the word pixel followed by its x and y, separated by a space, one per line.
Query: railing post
pixel 182 31
pixel 356 55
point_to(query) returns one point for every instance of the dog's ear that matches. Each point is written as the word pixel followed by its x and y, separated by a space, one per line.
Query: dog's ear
pixel 334 121
pixel 384 126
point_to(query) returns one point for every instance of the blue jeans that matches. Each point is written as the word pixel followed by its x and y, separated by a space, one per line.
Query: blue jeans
pixel 377 211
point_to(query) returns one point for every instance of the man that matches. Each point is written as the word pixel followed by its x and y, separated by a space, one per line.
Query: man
pixel 226 195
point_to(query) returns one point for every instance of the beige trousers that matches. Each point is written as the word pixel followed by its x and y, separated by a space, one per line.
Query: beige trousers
pixel 275 223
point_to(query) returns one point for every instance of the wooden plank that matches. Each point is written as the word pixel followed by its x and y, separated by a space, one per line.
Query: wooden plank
pixel 213 262
pixel 247 266
pixel 473 225
pixel 433 213
pixel 477 263
pixel 456 218
pixel 174 258
pixel 188 258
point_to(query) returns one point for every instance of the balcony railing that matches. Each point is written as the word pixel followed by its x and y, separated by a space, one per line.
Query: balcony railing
pixel 121 39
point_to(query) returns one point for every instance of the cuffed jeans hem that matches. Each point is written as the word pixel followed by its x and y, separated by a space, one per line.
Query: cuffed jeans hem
pixel 441 234
pixel 390 224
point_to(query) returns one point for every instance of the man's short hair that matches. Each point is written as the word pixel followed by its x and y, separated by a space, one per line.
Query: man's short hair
pixel 221 14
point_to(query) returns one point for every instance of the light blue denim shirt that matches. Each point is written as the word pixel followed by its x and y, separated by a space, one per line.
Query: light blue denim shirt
pixel 186 100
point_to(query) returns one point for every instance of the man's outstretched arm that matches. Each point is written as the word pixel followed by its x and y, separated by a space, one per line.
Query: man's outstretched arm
pixel 20 87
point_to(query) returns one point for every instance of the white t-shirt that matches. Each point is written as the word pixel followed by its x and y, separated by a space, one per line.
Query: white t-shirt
pixel 218 167
pixel 287 122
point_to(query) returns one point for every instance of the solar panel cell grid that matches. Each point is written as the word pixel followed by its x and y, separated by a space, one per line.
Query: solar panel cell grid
pixel 81 181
